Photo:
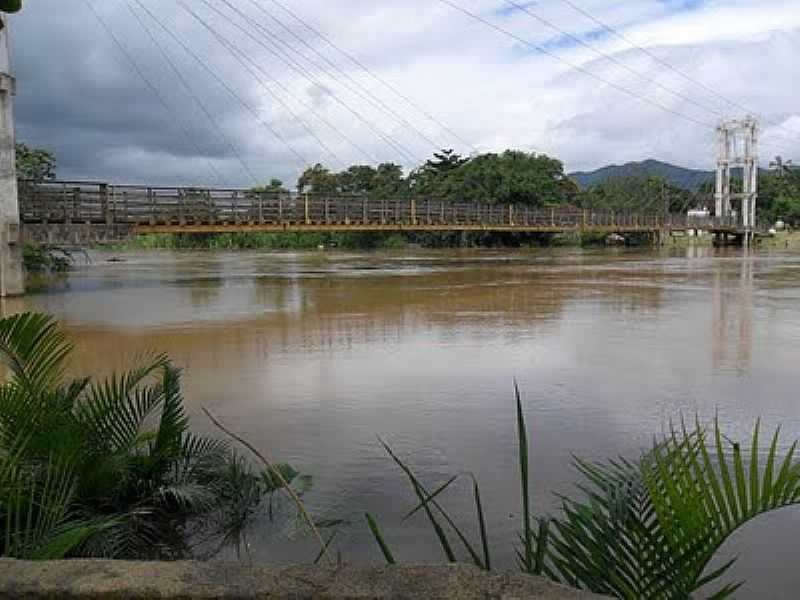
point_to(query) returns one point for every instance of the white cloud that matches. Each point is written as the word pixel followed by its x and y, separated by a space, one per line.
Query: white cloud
pixel 490 89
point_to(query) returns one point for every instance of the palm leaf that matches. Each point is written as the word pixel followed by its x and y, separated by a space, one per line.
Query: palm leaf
pixel 34 349
pixel 649 529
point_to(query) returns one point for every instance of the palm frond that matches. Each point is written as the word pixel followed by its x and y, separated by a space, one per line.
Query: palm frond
pixel 649 529
pixel 114 411
pixel 35 350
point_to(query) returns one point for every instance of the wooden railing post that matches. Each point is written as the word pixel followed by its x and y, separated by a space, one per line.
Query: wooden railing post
pixel 413 211
pixel 67 208
pixel 511 215
pixel 327 209
pixel 308 221
pixel 235 207
pixel 181 216
pixel 113 199
pixel 365 210
pixel 105 216
pixel 151 200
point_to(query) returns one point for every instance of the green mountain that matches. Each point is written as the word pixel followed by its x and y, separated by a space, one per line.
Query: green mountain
pixel 690 179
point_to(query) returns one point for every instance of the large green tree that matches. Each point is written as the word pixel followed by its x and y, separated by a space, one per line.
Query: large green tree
pixel 437 176
pixel 10 6
pixel 318 180
pixel 35 163
pixel 513 177
pixel 509 177
pixel 779 197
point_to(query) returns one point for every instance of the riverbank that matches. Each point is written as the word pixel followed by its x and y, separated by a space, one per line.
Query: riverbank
pixel 782 239
pixel 366 241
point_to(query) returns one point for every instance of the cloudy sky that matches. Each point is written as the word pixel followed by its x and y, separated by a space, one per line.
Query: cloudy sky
pixel 255 94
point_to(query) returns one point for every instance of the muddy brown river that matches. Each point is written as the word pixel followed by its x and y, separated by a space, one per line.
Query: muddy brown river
pixel 311 355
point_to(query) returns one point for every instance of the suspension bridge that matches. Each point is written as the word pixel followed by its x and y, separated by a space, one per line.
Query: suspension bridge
pixel 81 212
pixel 279 52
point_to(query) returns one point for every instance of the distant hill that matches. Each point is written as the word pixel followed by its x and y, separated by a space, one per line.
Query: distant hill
pixel 690 179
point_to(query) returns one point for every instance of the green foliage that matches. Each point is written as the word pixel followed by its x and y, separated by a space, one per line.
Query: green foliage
pixel 10 6
pixel 510 177
pixel 513 177
pixel 643 529
pixel 385 181
pixel 109 468
pixel 275 186
pixel 779 196
pixel 35 163
pixel 268 241
pixel 38 259
pixel 649 529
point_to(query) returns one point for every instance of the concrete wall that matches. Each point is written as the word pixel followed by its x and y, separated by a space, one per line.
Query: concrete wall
pixel 102 580
pixel 75 234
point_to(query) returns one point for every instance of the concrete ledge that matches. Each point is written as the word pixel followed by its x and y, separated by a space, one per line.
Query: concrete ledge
pixel 110 580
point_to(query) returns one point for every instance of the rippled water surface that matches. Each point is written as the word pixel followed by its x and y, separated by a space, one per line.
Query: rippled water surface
pixel 311 355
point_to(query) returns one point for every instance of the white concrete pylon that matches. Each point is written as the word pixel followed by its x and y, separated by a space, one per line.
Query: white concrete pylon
pixel 738 148
pixel 12 279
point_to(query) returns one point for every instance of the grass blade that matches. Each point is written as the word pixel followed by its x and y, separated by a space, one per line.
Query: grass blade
pixel 430 498
pixel 376 533
pixel 325 548
pixel 419 491
pixel 487 561
pixel 542 538
pixel 527 534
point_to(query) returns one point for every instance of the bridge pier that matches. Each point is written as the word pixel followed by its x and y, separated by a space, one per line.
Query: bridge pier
pixel 12 278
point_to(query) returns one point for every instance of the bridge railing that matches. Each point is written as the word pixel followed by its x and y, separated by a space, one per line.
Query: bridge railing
pixel 67 202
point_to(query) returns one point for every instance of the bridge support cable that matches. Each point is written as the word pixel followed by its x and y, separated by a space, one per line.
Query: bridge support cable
pixel 414 105
pixel 153 88
pixel 575 66
pixel 223 40
pixel 653 56
pixel 258 74
pixel 295 66
pixel 301 160
pixel 339 75
pixel 605 55
pixel 191 92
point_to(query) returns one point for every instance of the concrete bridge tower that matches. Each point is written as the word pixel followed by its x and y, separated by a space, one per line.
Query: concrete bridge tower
pixel 12 281
pixel 738 148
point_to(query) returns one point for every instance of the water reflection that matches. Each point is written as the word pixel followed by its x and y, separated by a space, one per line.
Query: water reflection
pixel 732 329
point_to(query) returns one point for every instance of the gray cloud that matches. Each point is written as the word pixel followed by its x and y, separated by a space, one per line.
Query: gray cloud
pixel 78 96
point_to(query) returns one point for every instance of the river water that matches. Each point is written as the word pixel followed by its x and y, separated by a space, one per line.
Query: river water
pixel 311 355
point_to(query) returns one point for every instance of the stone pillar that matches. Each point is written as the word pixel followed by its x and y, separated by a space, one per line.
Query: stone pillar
pixel 12 279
